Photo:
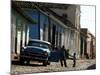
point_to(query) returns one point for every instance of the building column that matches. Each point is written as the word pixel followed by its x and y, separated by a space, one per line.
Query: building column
pixel 23 43
pixel 25 35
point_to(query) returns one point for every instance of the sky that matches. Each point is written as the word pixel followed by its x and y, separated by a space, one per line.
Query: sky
pixel 87 18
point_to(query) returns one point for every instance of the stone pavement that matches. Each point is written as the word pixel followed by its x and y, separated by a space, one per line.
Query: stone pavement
pixel 53 67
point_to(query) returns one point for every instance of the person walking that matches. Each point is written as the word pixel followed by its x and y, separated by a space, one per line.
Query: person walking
pixel 63 57
pixel 74 59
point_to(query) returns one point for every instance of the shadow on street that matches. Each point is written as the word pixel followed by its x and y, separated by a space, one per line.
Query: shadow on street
pixel 92 67
pixel 33 64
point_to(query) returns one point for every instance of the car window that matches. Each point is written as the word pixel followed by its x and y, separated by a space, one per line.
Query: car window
pixel 38 44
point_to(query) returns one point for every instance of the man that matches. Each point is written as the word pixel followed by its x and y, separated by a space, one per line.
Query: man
pixel 74 59
pixel 63 56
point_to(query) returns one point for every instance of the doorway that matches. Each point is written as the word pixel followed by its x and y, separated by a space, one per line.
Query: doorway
pixel 53 35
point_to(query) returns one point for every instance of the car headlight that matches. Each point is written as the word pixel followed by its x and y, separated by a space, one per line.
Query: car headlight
pixel 23 48
pixel 45 53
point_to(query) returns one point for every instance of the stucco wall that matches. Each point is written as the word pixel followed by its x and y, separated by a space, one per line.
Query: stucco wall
pixel 73 13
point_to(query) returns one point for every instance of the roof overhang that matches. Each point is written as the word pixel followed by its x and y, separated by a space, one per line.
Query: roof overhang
pixel 17 8
pixel 28 4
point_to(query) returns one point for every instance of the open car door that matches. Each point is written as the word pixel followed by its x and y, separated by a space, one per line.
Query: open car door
pixel 54 56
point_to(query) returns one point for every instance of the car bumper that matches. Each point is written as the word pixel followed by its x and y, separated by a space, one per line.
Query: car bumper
pixel 34 58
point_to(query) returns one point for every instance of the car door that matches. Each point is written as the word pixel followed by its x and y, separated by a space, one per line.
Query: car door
pixel 54 56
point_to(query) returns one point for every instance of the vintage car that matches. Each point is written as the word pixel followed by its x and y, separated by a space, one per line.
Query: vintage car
pixel 36 50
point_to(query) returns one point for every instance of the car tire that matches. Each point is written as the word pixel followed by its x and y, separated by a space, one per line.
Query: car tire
pixel 48 62
pixel 21 61
pixel 45 63
pixel 28 62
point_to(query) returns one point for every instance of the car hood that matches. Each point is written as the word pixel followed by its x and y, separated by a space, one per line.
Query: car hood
pixel 36 49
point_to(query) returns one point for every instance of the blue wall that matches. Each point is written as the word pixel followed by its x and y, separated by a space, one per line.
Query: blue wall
pixel 33 29
pixel 43 20
pixel 35 32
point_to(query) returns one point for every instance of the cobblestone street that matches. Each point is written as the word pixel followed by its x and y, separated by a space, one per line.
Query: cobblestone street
pixel 53 67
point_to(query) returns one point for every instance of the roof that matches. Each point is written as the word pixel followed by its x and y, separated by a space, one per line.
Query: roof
pixel 36 40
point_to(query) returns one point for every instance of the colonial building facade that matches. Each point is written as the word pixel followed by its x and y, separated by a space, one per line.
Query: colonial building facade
pixel 58 23
pixel 87 45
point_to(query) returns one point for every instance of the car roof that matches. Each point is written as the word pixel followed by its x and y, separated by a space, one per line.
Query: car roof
pixel 36 40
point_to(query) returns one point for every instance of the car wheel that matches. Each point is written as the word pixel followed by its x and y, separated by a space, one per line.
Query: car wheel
pixel 45 63
pixel 48 62
pixel 22 61
pixel 28 62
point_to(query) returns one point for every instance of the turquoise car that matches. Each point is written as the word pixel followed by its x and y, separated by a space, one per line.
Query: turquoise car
pixel 36 50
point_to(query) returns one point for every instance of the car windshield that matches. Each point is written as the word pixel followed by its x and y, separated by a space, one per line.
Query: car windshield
pixel 38 44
